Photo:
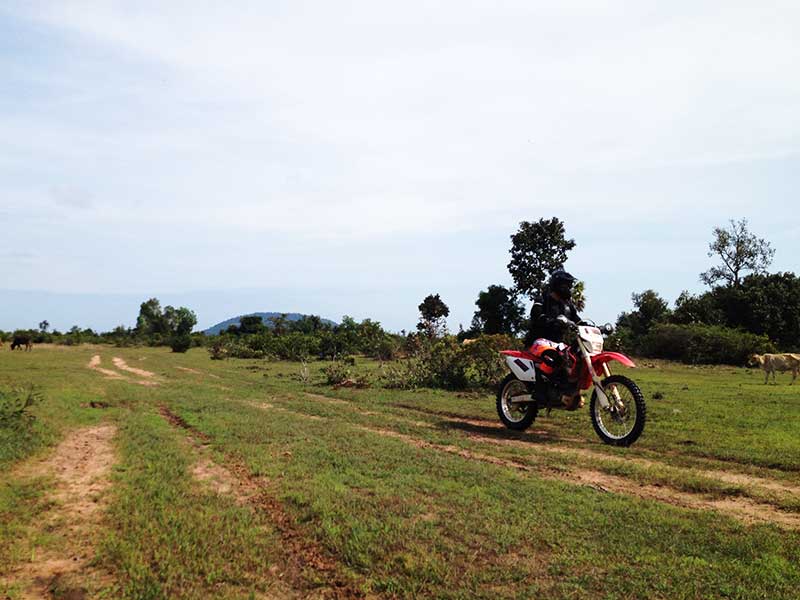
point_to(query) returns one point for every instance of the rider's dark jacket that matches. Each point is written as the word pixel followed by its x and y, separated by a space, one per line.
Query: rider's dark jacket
pixel 544 314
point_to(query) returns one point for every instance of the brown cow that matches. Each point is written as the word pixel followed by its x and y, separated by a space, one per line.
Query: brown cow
pixel 772 363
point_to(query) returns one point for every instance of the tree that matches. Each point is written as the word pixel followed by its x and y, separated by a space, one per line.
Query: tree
pixel 151 319
pixel 739 251
pixel 768 304
pixel 279 324
pixel 179 321
pixel 579 296
pixel 44 326
pixel 537 250
pixel 433 312
pixel 251 324
pixel 499 311
pixel 650 309
pixel 690 309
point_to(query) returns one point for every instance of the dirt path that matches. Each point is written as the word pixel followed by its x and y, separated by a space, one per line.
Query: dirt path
pixel 491 432
pixel 123 366
pixel 304 559
pixel 148 377
pixel 196 372
pixel 80 467
pixel 743 509
pixel 94 364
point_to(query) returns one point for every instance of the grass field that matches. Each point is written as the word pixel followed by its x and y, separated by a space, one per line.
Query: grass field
pixel 160 475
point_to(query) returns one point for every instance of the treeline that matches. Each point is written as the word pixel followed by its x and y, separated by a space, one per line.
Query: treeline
pixel 303 339
pixel 154 327
pixel 746 310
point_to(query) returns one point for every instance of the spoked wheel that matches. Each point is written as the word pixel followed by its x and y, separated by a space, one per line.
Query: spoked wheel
pixel 623 422
pixel 514 414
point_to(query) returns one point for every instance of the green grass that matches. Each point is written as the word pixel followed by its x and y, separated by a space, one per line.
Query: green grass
pixel 171 538
pixel 398 520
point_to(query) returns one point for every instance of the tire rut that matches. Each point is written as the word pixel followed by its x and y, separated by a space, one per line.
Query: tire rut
pixel 80 467
pixel 743 509
pixel 304 559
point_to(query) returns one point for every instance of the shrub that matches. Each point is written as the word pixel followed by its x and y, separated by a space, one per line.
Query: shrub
pixel 336 373
pixel 180 343
pixel 385 349
pixel 702 344
pixel 450 364
pixel 406 374
pixel 15 405
pixel 218 350
pixel 445 365
pixel 485 366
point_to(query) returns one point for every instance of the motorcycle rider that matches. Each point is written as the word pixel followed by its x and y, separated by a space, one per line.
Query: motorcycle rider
pixel 548 331
pixel 555 301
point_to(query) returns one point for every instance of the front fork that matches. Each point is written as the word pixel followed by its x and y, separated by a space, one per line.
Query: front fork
pixel 598 383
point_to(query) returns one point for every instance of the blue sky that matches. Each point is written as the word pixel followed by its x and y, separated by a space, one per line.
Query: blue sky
pixel 349 158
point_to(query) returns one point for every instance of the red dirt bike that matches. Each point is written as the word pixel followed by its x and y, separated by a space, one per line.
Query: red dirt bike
pixel 617 407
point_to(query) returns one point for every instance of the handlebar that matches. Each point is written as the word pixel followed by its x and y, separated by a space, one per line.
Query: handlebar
pixel 608 328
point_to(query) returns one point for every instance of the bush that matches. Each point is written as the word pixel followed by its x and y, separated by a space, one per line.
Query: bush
pixel 180 343
pixel 450 364
pixel 385 349
pixel 14 407
pixel 408 374
pixel 336 373
pixel 702 344
pixel 218 350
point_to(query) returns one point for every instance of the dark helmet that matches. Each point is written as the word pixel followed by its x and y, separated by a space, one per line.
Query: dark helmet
pixel 561 283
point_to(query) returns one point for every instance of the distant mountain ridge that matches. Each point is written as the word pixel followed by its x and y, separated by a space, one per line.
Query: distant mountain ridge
pixel 265 316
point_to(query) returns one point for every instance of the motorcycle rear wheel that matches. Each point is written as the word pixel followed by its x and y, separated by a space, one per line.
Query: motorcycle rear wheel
pixel 515 416
pixel 619 430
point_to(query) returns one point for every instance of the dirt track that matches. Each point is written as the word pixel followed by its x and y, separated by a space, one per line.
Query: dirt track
pixel 80 467
pixel 743 509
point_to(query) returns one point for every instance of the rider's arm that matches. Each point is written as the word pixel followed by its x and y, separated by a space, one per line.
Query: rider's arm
pixel 548 322
pixel 576 318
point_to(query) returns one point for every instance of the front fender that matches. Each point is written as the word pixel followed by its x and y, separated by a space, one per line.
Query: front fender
pixel 606 357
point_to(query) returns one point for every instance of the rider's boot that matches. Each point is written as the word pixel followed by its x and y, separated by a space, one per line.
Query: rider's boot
pixel 573 402
pixel 540 393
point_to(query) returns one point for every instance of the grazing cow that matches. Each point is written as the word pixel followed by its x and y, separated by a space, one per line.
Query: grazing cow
pixel 22 340
pixel 772 363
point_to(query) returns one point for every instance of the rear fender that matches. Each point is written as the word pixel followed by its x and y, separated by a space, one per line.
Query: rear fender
pixel 521 365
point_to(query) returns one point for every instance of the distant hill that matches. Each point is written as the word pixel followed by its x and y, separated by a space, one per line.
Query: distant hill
pixel 265 316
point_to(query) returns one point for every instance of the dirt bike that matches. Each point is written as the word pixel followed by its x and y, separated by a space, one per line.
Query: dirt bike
pixel 617 407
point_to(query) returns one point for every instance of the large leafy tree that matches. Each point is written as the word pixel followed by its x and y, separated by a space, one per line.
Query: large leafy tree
pixel 650 308
pixel 433 312
pixel 170 321
pixel 151 318
pixel 740 251
pixel 537 249
pixel 499 311
pixel 179 321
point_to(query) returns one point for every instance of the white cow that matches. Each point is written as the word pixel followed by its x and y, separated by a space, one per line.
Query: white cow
pixel 771 363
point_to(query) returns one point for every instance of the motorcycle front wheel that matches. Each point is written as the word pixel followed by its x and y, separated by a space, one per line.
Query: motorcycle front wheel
pixel 623 422
pixel 514 415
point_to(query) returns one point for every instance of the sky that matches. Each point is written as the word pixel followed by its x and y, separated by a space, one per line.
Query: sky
pixel 352 157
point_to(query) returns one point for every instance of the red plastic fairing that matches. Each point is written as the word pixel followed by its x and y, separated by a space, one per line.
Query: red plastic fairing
pixel 605 357
pixel 518 354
